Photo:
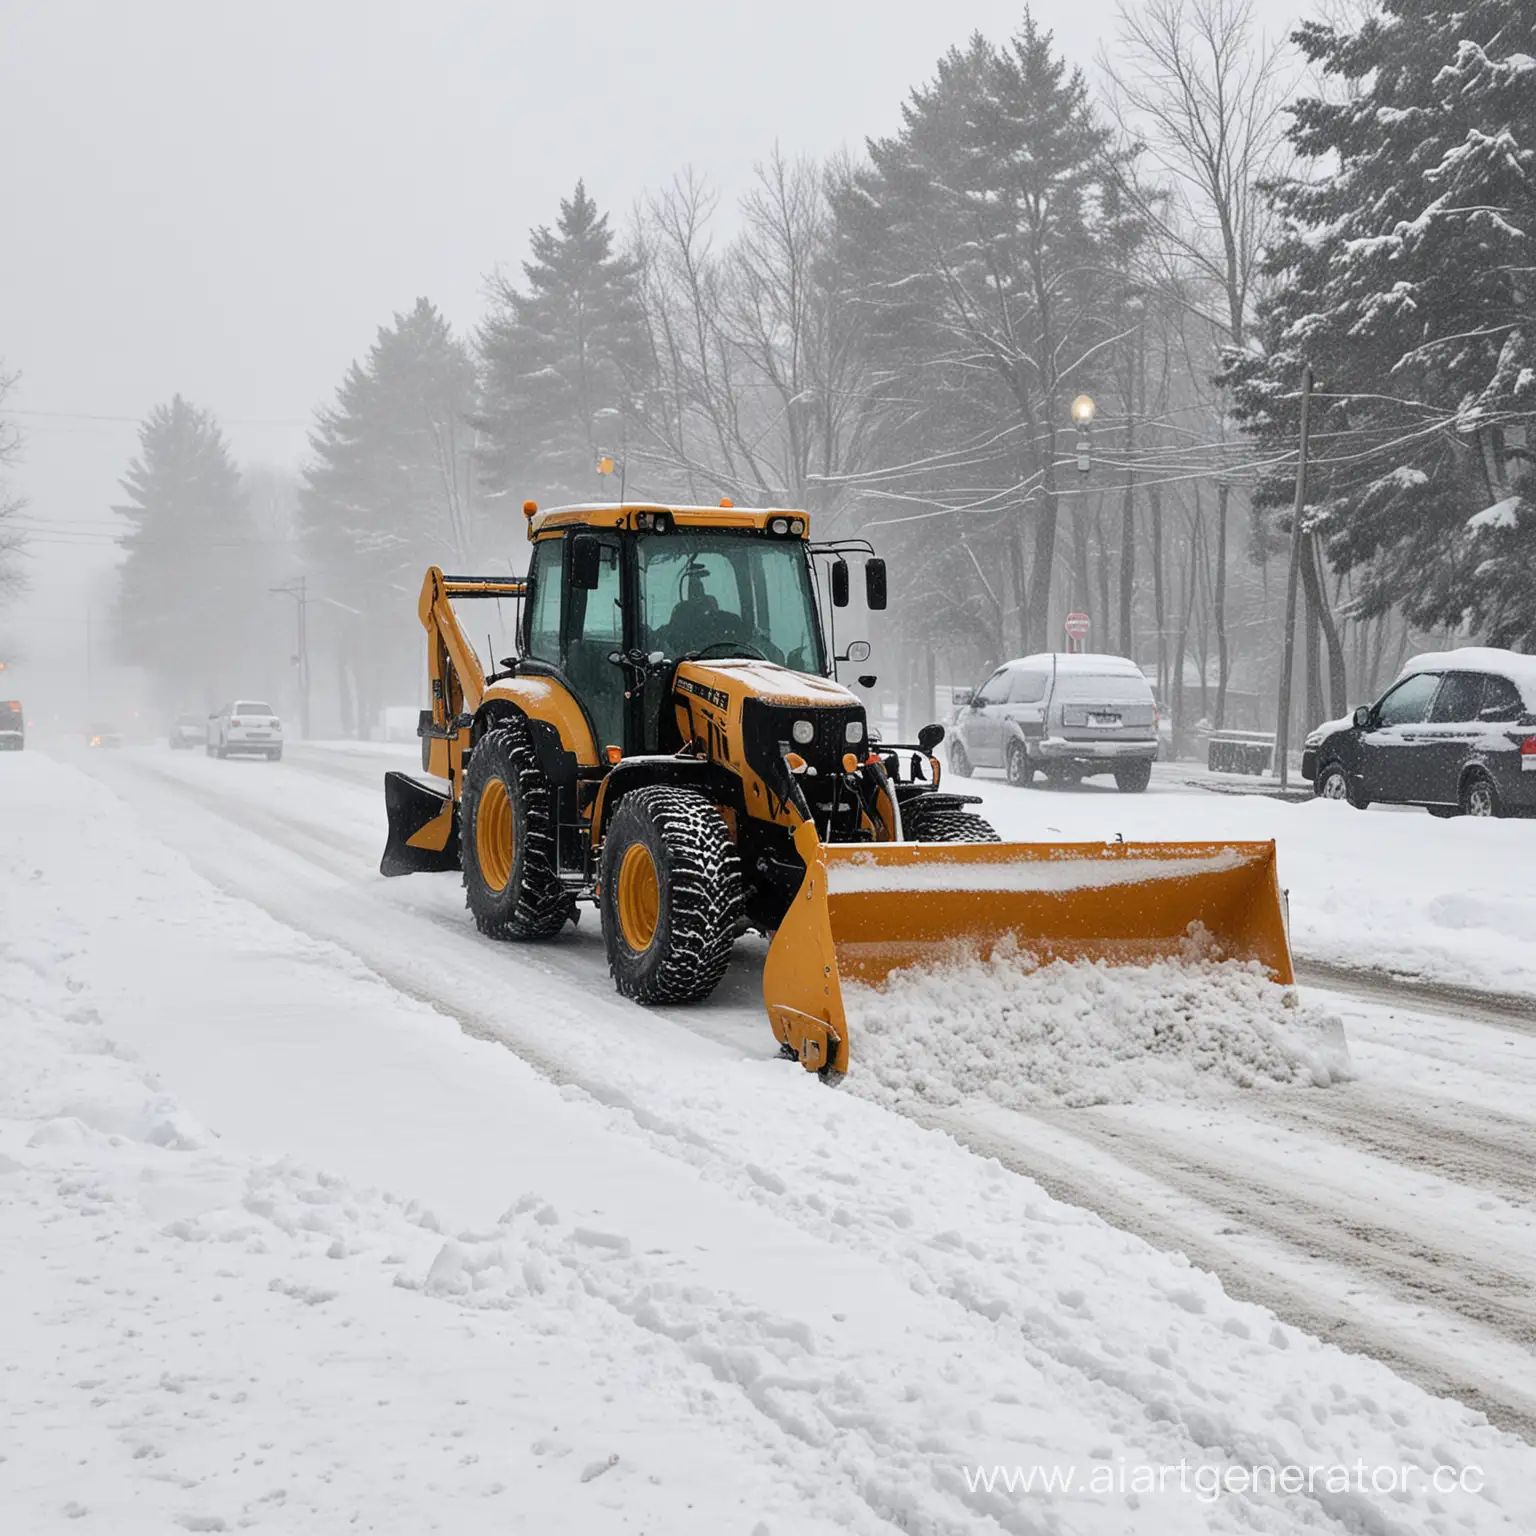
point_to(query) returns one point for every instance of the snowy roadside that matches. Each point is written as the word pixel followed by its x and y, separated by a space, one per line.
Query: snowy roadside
pixel 1447 901
pixel 401 1276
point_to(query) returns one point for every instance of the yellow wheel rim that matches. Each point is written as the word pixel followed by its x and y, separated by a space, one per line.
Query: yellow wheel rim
pixel 493 835
pixel 639 897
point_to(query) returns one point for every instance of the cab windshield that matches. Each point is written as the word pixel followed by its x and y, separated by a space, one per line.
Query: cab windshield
pixel 729 595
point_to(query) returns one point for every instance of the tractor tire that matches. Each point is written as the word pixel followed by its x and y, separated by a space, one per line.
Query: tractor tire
pixel 1021 771
pixel 671 900
pixel 959 761
pixel 507 840
pixel 945 826
pixel 1133 778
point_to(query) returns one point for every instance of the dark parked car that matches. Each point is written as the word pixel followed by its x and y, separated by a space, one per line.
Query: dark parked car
pixel 1455 733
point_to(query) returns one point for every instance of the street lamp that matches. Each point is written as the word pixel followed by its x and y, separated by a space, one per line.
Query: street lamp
pixel 1083 412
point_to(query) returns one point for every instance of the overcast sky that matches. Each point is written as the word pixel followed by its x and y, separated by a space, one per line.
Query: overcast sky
pixel 226 198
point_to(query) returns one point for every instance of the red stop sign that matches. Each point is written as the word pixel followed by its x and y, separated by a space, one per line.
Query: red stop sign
pixel 1078 626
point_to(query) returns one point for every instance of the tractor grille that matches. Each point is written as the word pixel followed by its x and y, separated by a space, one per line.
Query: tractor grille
pixel 764 726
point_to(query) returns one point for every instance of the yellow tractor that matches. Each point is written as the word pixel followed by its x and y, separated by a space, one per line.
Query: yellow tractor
pixel 668 740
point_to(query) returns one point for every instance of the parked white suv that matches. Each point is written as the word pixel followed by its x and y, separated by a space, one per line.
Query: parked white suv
pixel 246 726
pixel 1066 716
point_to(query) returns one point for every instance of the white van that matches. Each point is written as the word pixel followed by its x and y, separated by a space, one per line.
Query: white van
pixel 1066 716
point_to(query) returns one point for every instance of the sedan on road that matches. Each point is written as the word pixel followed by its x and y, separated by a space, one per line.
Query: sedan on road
pixel 1456 733
pixel 246 727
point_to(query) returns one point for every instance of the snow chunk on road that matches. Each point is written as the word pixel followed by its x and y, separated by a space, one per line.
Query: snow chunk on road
pixel 1086 1033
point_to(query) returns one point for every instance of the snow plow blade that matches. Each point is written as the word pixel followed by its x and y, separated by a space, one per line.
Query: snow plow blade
pixel 865 910
pixel 423 827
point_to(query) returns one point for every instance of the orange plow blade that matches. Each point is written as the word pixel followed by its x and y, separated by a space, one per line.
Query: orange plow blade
pixel 865 910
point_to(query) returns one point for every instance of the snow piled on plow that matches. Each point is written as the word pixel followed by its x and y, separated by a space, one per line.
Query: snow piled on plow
pixel 1018 1033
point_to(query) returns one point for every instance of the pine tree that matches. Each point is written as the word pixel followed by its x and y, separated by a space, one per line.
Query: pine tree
pixel 556 355
pixel 386 494
pixel 991 249
pixel 191 600
pixel 1404 279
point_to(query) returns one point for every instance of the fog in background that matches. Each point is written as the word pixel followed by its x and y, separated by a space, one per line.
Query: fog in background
pixel 227 200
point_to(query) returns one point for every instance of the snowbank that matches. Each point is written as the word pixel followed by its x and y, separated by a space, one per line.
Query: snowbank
pixel 1078 1034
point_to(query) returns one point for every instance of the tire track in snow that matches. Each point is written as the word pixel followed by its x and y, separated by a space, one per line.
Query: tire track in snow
pixel 1416 1269
pixel 1348 1326
pixel 1415 1139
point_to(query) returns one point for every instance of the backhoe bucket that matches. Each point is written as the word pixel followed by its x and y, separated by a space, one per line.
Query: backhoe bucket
pixel 867 909
pixel 423 827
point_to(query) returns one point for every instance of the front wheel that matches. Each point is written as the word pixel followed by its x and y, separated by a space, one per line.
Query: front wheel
pixel 1479 797
pixel 924 824
pixel 1332 783
pixel 1021 771
pixel 959 760
pixel 1133 777
pixel 671 896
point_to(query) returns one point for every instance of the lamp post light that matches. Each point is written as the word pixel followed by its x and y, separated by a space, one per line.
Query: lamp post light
pixel 1083 412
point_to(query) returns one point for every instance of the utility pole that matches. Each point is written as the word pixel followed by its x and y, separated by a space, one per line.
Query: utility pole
pixel 298 590
pixel 1283 722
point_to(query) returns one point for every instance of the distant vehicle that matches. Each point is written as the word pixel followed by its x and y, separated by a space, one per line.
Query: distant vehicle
pixel 188 731
pixel 103 736
pixel 1456 733
pixel 13 726
pixel 1066 716
pixel 246 727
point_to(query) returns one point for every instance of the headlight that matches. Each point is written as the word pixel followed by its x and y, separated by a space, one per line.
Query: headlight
pixel 804 732
pixel 779 525
pixel 853 732
pixel 1315 739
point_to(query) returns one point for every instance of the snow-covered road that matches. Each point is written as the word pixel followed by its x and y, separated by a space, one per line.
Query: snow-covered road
pixel 778 1307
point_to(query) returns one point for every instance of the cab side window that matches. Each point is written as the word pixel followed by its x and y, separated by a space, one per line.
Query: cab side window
pixel 1408 703
pixel 994 690
pixel 547 576
pixel 1459 700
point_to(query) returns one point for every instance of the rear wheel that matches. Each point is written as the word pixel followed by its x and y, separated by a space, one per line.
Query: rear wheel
pixel 671 895
pixel 1020 770
pixel 941 825
pixel 1131 778
pixel 507 840
pixel 276 754
pixel 959 760
pixel 1479 797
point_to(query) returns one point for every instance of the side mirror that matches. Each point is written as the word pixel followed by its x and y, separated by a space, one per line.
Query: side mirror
pixel 858 650
pixel 874 584
pixel 960 697
pixel 1362 717
pixel 586 561
pixel 929 737
pixel 867 680
pixel 839 583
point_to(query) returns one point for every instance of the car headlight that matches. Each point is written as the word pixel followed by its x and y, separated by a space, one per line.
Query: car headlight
pixel 804 731
pixel 1314 739
pixel 853 732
